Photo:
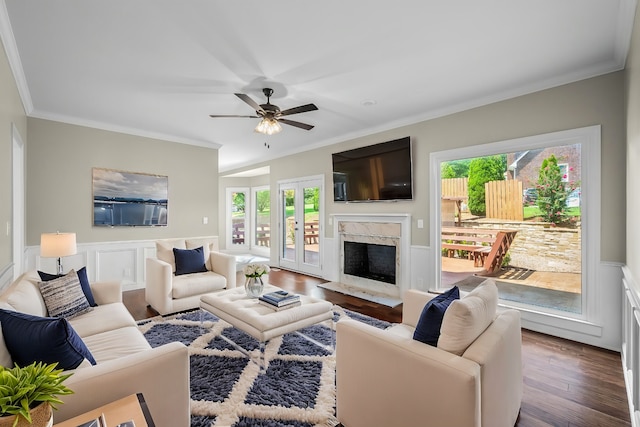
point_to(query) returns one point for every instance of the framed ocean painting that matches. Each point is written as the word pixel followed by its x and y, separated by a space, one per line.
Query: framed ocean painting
pixel 129 199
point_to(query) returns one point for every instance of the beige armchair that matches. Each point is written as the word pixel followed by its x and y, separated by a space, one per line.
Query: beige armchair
pixel 386 378
pixel 168 293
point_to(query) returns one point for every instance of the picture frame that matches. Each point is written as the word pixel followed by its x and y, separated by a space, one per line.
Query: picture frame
pixel 129 199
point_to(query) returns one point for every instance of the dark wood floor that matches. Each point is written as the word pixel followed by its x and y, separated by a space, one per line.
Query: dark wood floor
pixel 565 383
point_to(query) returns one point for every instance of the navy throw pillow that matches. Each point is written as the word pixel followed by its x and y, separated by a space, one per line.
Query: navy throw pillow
pixel 84 283
pixel 189 260
pixel 428 327
pixel 42 339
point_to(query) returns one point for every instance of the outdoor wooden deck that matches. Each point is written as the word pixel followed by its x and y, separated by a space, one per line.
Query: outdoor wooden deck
pixel 486 247
pixel 263 233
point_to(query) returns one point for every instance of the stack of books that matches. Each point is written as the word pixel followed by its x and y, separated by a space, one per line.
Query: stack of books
pixel 280 300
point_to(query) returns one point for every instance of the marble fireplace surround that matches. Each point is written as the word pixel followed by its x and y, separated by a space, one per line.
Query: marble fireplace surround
pixel 383 229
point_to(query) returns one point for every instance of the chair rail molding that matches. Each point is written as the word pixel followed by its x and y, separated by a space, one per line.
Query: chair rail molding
pixel 123 261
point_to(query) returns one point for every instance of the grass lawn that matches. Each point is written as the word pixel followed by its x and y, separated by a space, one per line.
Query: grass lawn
pixel 531 212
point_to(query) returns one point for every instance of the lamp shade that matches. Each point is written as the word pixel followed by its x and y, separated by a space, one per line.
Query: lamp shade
pixel 268 126
pixel 56 245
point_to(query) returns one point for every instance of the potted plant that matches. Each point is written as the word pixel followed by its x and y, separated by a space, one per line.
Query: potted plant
pixel 29 394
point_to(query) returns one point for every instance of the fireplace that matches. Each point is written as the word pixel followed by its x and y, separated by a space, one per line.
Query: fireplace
pixel 373 252
pixel 370 261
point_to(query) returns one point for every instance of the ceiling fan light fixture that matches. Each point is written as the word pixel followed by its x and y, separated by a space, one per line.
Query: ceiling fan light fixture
pixel 268 126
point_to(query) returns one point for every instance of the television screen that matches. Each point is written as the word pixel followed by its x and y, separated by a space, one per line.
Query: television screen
pixel 376 172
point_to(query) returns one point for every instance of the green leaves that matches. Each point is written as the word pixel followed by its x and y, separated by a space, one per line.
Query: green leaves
pixel 22 389
pixel 552 193
pixel 481 171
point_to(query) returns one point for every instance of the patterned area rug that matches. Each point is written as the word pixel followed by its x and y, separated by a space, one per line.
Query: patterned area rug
pixel 297 388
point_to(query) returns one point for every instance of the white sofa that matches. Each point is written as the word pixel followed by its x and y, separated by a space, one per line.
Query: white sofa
pixel 386 378
pixel 168 293
pixel 126 363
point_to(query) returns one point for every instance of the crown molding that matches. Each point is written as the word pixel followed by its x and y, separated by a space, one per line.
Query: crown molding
pixel 626 18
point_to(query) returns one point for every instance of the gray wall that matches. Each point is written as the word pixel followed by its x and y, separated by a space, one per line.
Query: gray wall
pixel 11 112
pixel 596 101
pixel 59 186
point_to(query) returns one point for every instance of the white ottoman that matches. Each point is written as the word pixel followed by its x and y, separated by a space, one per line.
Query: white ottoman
pixel 261 322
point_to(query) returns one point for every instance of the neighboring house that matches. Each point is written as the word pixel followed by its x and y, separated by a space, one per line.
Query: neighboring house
pixel 525 165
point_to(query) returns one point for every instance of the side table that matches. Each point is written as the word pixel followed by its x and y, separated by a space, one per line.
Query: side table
pixel 132 407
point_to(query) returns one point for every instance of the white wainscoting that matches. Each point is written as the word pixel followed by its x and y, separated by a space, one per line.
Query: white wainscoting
pixel 631 343
pixel 122 261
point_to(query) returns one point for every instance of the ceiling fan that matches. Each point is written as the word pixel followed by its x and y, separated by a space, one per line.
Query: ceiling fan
pixel 271 114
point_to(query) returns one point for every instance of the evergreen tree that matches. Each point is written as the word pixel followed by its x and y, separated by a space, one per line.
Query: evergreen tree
pixel 552 193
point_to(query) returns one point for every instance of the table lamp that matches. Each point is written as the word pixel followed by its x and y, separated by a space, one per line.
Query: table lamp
pixel 57 245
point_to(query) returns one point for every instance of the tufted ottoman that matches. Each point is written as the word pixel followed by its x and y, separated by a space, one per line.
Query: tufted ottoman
pixel 261 322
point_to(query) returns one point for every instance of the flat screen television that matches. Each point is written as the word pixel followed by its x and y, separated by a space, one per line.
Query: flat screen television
pixel 379 172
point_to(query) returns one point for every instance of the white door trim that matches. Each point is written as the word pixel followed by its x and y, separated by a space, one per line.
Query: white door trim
pixel 18 193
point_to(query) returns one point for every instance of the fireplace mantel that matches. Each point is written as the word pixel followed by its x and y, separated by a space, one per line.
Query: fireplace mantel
pixel 361 222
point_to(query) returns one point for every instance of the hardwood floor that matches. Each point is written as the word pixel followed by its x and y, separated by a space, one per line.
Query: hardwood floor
pixel 565 383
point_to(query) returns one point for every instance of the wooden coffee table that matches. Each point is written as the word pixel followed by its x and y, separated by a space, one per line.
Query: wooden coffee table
pixel 132 407
pixel 261 322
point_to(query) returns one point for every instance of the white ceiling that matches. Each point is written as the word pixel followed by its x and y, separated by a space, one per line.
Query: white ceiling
pixel 158 68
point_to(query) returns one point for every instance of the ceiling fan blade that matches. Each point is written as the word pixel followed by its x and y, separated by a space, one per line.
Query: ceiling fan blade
pixel 300 109
pixel 296 124
pixel 232 115
pixel 251 102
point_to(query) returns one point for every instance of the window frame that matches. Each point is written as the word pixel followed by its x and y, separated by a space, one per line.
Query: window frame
pixel 590 140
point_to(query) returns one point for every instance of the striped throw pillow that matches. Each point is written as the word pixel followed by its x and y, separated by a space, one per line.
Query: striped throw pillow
pixel 64 297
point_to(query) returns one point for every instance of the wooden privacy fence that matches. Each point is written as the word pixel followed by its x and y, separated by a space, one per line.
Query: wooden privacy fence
pixel 454 188
pixel 503 199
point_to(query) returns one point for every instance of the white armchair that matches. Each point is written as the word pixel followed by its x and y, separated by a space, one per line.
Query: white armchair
pixel 168 293
pixel 386 378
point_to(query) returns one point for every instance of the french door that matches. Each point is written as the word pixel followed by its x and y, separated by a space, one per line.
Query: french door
pixel 300 225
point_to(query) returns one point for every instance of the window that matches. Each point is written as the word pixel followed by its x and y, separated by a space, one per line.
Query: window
pixel 574 150
pixel 261 219
pixel 237 218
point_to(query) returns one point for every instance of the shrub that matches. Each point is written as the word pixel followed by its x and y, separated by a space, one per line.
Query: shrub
pixel 506 260
pixel 481 171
